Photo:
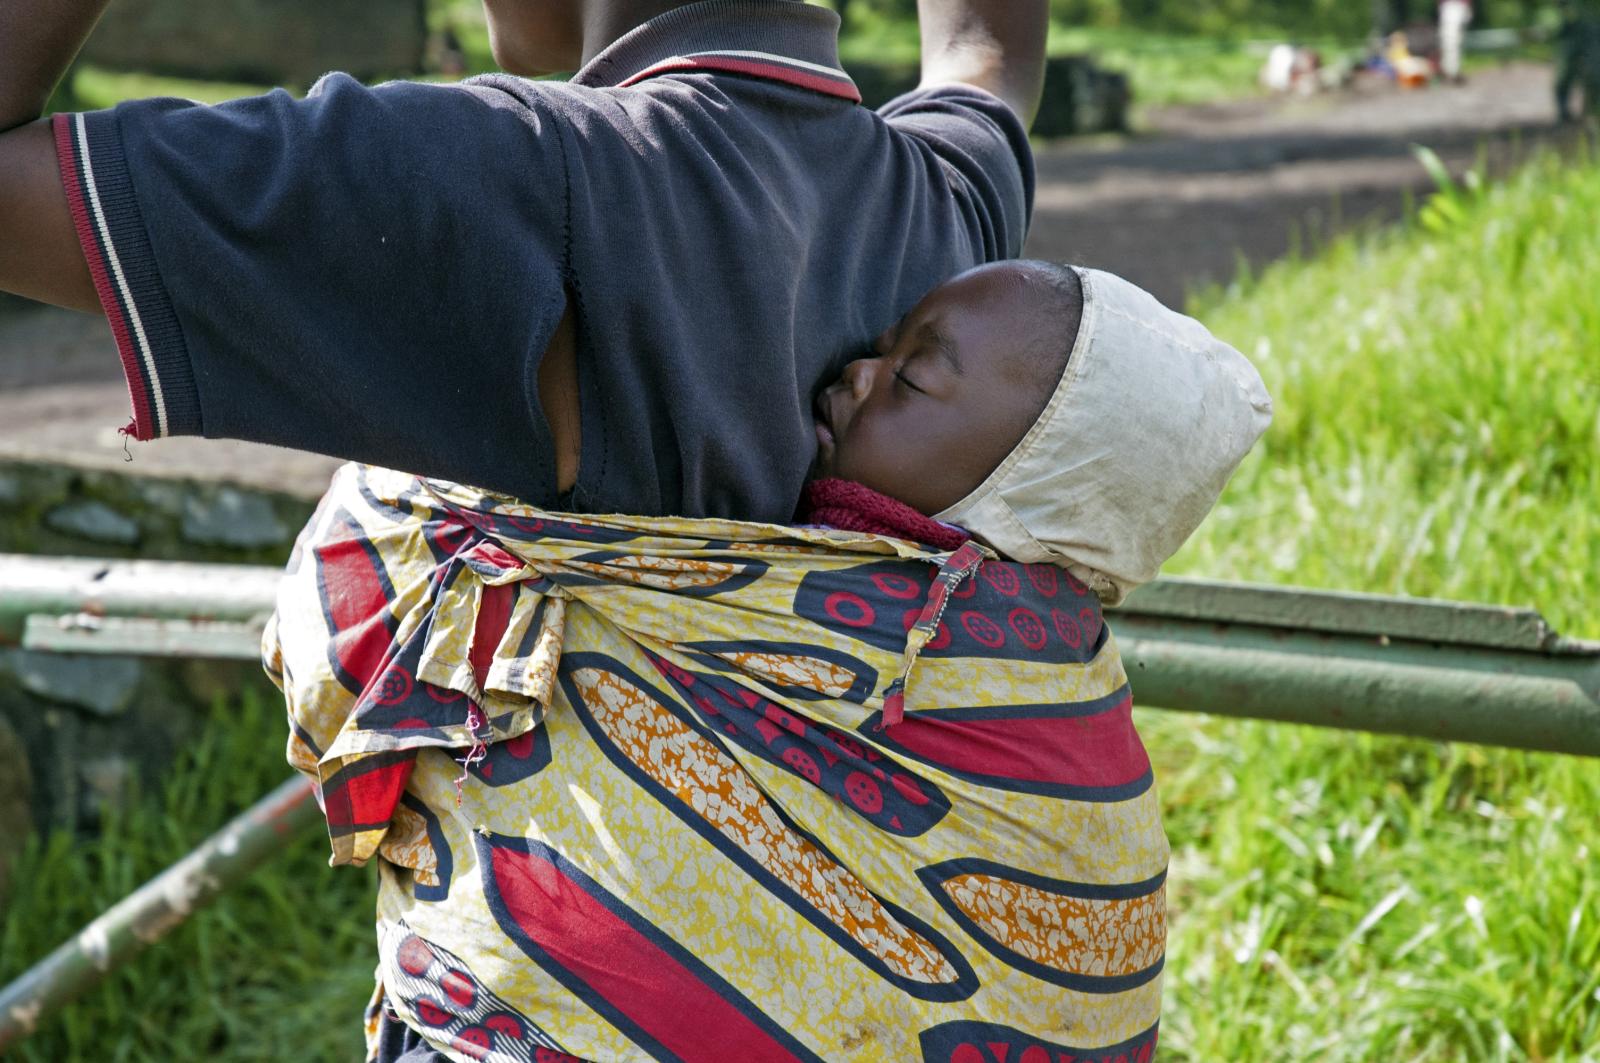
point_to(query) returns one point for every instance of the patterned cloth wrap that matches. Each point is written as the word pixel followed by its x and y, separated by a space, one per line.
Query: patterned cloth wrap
pixel 641 788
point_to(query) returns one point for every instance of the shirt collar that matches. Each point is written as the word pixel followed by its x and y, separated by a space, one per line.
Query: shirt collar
pixel 781 40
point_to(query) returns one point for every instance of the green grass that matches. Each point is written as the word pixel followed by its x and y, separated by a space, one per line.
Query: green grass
pixel 94 88
pixel 1335 896
pixel 280 969
pixel 1438 406
pixel 1352 897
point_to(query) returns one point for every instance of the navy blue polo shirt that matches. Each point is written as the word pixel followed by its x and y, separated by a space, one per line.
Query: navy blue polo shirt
pixel 374 273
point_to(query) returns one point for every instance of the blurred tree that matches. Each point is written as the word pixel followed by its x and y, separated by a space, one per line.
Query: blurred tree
pixel 1389 15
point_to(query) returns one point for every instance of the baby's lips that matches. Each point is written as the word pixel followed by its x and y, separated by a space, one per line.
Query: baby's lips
pixel 819 407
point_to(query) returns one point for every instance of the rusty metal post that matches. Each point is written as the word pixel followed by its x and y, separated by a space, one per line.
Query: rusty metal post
pixel 1407 666
pixel 84 591
pixel 150 912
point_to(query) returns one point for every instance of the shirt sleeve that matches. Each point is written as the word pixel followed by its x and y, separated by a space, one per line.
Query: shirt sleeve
pixel 985 151
pixel 371 273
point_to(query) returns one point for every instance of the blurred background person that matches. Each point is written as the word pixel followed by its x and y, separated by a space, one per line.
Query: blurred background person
pixel 1577 59
pixel 1454 17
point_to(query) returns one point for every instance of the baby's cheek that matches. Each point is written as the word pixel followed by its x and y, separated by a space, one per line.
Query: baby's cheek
pixel 913 464
pixel 866 457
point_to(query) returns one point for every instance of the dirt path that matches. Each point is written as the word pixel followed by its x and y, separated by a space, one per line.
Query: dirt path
pixel 1172 209
pixel 1176 208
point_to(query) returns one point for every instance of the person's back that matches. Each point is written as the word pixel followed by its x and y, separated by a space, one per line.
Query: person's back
pixel 378 274
pixel 384 274
pixel 781 228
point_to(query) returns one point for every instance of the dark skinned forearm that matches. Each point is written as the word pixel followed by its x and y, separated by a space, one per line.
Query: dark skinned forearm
pixel 996 45
pixel 39 252
pixel 38 40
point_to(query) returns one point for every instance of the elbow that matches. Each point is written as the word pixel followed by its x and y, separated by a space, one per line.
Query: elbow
pixel 1023 96
pixel 1017 80
pixel 1019 90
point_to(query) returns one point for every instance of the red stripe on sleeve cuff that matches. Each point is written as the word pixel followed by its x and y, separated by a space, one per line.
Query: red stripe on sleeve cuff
pixel 78 199
pixel 115 245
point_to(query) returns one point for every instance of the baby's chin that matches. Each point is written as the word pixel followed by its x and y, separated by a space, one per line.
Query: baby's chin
pixel 820 469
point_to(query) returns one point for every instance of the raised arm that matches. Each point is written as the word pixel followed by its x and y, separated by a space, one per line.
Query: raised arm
pixel 996 45
pixel 39 252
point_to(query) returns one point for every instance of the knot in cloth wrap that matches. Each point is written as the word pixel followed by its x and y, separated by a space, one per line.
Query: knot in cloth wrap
pixel 636 790
pixel 1151 417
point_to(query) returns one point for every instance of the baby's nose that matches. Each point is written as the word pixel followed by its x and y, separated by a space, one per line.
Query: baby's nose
pixel 858 375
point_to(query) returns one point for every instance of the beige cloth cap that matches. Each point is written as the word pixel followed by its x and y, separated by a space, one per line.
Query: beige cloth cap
pixel 1152 416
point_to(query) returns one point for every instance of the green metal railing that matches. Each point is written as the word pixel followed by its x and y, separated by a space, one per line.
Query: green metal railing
pixel 1433 669
pixel 1406 666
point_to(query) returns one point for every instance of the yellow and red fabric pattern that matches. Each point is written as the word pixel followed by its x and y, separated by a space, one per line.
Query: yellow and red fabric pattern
pixel 678 789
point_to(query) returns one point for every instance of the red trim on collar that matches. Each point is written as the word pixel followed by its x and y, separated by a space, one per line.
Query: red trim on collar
pixel 757 64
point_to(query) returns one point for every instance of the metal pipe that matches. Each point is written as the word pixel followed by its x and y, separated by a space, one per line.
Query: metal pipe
pixel 134 636
pixel 1433 669
pixel 150 912
pixel 1486 697
pixel 69 587
pixel 1445 670
pixel 1409 666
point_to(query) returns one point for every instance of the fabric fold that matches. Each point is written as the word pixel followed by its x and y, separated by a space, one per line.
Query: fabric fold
pixel 813 781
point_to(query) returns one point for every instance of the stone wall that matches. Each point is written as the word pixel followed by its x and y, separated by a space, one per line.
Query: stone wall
pixel 76 731
pixel 271 42
pixel 88 512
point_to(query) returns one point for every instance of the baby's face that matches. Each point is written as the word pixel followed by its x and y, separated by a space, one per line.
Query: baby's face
pixel 949 393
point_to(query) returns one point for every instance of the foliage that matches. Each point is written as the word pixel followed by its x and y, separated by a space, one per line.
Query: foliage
pixel 1238 18
pixel 1353 897
pixel 279 969
pixel 1166 68
pixel 1438 405
pixel 1174 52
pixel 1178 52
pixel 93 88
pixel 1169 60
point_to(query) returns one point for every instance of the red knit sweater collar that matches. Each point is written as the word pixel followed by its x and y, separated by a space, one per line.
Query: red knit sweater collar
pixel 850 506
